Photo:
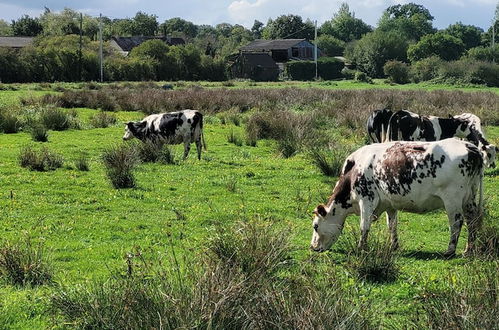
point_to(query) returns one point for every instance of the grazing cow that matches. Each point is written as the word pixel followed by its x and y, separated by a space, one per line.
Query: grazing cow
pixel 417 177
pixel 184 126
pixel 408 126
pixel 377 125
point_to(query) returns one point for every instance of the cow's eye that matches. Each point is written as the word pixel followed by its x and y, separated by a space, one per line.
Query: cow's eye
pixel 316 226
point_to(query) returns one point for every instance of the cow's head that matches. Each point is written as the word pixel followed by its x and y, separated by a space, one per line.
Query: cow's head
pixel 129 131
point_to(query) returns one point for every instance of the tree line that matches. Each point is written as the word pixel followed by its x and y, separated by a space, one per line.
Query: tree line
pixel 404 38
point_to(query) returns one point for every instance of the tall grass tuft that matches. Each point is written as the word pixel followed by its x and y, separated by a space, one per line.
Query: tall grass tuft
pixel 9 123
pixel 487 242
pixel 331 161
pixel 25 263
pixel 39 133
pixel 103 119
pixel 150 152
pixel 81 162
pixel 235 138
pixel 120 162
pixel 40 160
pixel 467 298
pixel 55 119
pixel 375 262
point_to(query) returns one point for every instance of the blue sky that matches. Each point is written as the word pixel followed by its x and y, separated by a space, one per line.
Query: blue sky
pixel 244 12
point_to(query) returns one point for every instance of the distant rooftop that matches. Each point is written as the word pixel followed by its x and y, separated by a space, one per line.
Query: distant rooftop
pixel 262 45
pixel 128 43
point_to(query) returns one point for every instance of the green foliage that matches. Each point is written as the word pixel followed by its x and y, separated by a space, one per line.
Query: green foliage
pixel 469 72
pixel 329 68
pixel 39 160
pixel 470 35
pixel 9 122
pixel 288 26
pixel 178 26
pixel 300 70
pixel 25 263
pixel 5 28
pixel 439 44
pixel 129 68
pixel 397 72
pixel 81 162
pixel 103 120
pixel 410 21
pixel 120 162
pixel 345 26
pixel 329 162
pixel 425 69
pixel 330 46
pixel 488 54
pixel 376 48
pixel 150 152
pixel 39 133
pixel 26 26
pixel 56 119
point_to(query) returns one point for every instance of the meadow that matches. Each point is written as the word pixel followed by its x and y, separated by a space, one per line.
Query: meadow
pixel 224 242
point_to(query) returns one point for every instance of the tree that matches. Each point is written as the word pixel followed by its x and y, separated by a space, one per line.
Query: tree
pixel 179 26
pixel 410 20
pixel 330 45
pixel 257 29
pixel 288 26
pixel 26 26
pixel 441 44
pixel 345 26
pixel 470 35
pixel 157 51
pixel 144 25
pixel 376 48
pixel 5 29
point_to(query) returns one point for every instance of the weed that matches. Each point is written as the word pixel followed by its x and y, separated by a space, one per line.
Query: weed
pixel 120 162
pixel 230 183
pixel 25 263
pixel 40 160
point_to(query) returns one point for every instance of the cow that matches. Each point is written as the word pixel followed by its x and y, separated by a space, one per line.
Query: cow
pixel 184 126
pixel 408 126
pixel 417 177
pixel 377 125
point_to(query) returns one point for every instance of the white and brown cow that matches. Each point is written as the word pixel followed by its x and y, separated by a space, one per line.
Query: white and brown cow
pixel 184 126
pixel 417 177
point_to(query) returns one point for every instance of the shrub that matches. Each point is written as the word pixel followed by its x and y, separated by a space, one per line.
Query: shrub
pixel 9 123
pixel 465 299
pixel 300 70
pixel 398 72
pixel 362 77
pixel 425 69
pixel 103 120
pixel 41 160
pixel 25 263
pixel 55 119
pixel 439 44
pixel 150 152
pixel 329 68
pixel 120 161
pixel 376 262
pixel 81 163
pixel 39 133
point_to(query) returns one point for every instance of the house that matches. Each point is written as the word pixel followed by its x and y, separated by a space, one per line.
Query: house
pixel 263 56
pixel 16 42
pixel 256 66
pixel 125 44
pixel 283 50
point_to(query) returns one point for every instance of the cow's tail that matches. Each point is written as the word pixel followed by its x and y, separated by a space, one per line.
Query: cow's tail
pixel 203 141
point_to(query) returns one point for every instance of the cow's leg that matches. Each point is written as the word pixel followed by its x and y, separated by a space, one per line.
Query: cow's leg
pixel 366 215
pixel 391 221
pixel 187 147
pixel 474 221
pixel 199 147
pixel 456 218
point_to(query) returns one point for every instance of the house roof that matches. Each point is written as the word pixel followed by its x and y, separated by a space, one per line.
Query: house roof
pixel 15 42
pixel 128 43
pixel 258 59
pixel 268 45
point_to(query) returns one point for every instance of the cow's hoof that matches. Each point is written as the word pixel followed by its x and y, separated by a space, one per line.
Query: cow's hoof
pixel 449 254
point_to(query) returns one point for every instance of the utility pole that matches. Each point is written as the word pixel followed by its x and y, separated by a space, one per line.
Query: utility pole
pixel 315 51
pixel 100 48
pixel 79 52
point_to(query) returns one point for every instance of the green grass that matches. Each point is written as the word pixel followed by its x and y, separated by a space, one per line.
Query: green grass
pixel 88 226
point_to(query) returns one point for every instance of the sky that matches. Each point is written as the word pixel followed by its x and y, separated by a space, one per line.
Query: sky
pixel 244 12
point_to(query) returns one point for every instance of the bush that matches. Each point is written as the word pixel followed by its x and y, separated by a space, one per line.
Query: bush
pixel 81 163
pixel 362 77
pixel 103 120
pixel 398 72
pixel 439 44
pixel 55 119
pixel 150 152
pixel 9 123
pixel 39 133
pixel 25 263
pixel 425 69
pixel 120 162
pixel 300 70
pixel 329 68
pixel 41 160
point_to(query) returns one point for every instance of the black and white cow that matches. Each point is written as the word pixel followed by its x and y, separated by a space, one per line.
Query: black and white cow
pixel 184 126
pixel 377 125
pixel 417 177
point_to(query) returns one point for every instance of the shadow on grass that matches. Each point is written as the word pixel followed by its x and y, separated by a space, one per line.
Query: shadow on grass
pixel 426 255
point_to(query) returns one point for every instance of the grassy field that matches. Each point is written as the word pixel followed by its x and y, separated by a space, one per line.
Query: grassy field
pixel 88 227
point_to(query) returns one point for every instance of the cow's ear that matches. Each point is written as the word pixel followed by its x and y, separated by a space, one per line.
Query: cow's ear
pixel 451 116
pixel 320 210
pixel 131 125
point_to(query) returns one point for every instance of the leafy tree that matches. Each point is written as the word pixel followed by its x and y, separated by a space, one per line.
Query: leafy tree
pixel 410 20
pixel 145 25
pixel 156 50
pixel 441 44
pixel 487 37
pixel 68 22
pixel 288 26
pixel 371 52
pixel 345 26
pixel 178 26
pixel 26 26
pixel 330 45
pixel 5 29
pixel 257 29
pixel 470 35
pixel 486 54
